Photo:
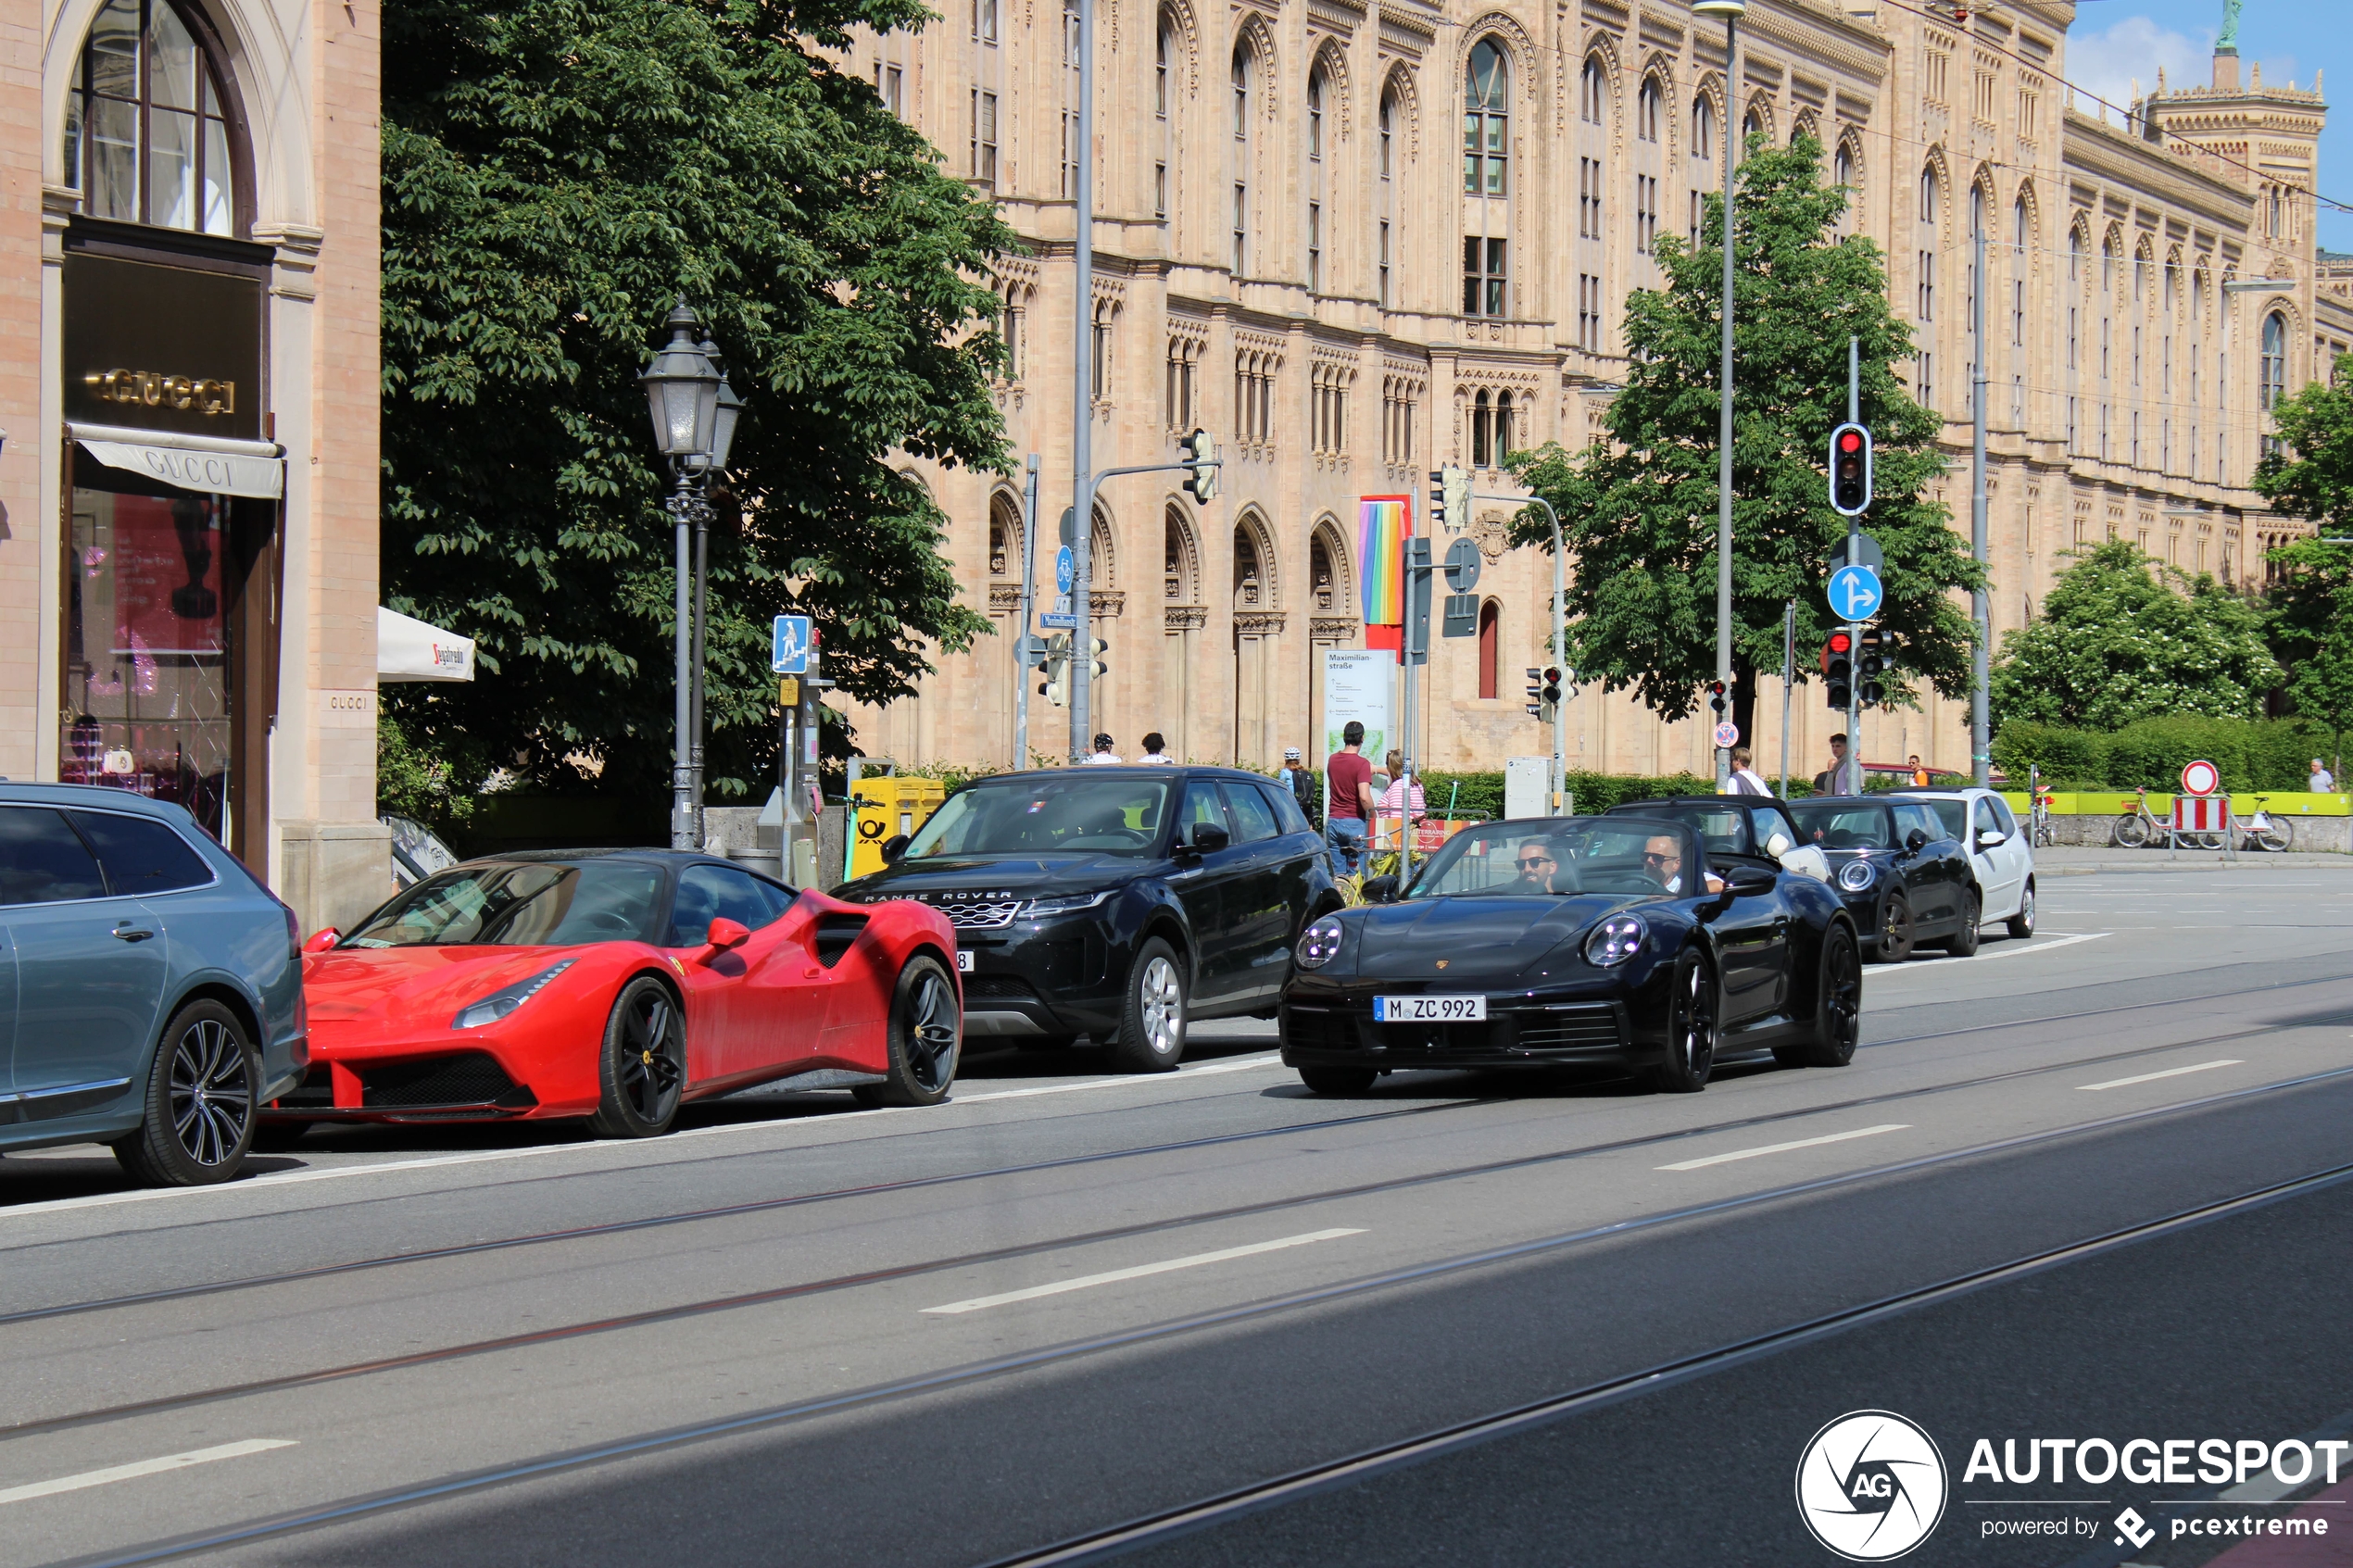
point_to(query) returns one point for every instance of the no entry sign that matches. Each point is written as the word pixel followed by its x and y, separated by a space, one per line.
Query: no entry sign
pixel 2200 778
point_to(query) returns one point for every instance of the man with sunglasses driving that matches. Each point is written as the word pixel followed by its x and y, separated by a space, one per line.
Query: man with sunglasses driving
pixel 1537 861
pixel 1663 862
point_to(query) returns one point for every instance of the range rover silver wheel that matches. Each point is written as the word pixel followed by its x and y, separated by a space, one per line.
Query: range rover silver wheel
pixel 1151 1024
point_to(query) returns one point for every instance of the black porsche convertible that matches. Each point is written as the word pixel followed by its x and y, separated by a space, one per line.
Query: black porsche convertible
pixel 1575 940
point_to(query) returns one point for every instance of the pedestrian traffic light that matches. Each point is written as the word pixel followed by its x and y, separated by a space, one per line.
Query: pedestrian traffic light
pixel 1715 698
pixel 1200 451
pixel 1850 469
pixel 1874 657
pixel 1838 669
pixel 1098 648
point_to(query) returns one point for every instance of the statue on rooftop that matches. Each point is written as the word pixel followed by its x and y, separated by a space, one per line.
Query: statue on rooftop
pixel 2228 43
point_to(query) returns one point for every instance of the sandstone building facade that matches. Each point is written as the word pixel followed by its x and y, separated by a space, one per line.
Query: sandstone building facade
pixel 188 388
pixel 1356 241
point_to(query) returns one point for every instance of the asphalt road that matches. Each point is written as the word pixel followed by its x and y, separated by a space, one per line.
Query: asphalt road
pixel 2096 1185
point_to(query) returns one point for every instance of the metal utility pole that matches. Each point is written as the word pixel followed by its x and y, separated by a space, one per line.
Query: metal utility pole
pixel 1854 555
pixel 1732 11
pixel 1028 595
pixel 1981 610
pixel 1082 452
pixel 1789 662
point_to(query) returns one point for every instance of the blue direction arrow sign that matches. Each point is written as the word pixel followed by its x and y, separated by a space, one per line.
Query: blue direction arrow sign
pixel 1854 593
pixel 1065 570
pixel 791 657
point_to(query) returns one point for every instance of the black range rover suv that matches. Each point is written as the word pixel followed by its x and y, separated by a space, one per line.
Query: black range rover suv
pixel 1114 902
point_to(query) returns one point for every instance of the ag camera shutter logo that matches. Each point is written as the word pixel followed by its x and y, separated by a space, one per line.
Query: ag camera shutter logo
pixel 1871 1485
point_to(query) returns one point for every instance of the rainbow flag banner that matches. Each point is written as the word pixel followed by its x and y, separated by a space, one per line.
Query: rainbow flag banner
pixel 1382 523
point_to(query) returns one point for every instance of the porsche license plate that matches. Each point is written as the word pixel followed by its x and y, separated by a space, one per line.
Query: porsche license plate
pixel 1429 1009
pixel 963 961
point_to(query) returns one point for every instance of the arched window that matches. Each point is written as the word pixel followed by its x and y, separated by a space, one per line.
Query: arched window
pixel 2020 224
pixel 1004 537
pixel 1486 121
pixel 1503 427
pixel 1178 584
pixel 1491 651
pixel 148 135
pixel 1242 61
pixel 2074 256
pixel 2274 361
pixel 1927 194
pixel 1646 110
pixel 1481 432
pixel 1842 168
pixel 1751 124
pixel 1702 129
pixel 1389 134
pixel 1250 588
pixel 1164 50
pixel 1589 92
pixel 1316 112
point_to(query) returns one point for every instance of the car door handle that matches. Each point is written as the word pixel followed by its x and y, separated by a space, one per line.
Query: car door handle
pixel 132 933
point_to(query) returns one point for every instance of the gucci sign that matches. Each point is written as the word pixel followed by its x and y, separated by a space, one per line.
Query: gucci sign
pixel 152 390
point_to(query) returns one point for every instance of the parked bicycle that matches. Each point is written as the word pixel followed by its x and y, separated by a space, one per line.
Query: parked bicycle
pixel 2267 832
pixel 2041 832
pixel 2139 825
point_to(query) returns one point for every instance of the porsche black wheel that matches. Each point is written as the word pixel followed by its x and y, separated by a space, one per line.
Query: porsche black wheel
pixel 199 1101
pixel 1962 944
pixel 1337 1080
pixel 926 1036
pixel 1896 931
pixel 1692 1027
pixel 1838 1007
pixel 642 1071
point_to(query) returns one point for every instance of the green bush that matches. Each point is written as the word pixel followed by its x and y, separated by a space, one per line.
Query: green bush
pixel 2074 754
pixel 2252 754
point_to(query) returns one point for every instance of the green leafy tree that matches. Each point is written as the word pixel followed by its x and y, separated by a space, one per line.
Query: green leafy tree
pixel 1639 506
pixel 556 173
pixel 2310 474
pixel 2124 637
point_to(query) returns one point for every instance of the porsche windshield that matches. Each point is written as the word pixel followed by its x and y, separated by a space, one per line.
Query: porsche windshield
pixel 532 904
pixel 1047 814
pixel 1559 857
pixel 1845 825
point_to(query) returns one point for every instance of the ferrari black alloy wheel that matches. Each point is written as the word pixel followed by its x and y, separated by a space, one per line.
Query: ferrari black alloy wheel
pixel 1895 929
pixel 1963 943
pixel 642 1069
pixel 1838 1006
pixel 1692 1025
pixel 926 1036
pixel 199 1101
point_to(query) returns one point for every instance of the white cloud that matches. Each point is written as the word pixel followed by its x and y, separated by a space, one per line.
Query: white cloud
pixel 2107 62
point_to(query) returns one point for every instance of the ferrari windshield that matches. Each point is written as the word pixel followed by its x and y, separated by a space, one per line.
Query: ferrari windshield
pixel 1846 825
pixel 520 904
pixel 1078 811
pixel 1560 858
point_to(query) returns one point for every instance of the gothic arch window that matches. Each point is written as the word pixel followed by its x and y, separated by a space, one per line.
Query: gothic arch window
pixel 1253 586
pixel 1326 573
pixel 1491 650
pixel 152 132
pixel 1481 430
pixel 1004 537
pixel 2274 368
pixel 1182 567
pixel 1703 128
pixel 1486 119
pixel 1243 63
pixel 1646 110
pixel 1590 93
pixel 1842 166
pixel 1316 112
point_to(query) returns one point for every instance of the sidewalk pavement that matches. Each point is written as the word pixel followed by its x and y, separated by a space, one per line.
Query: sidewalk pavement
pixel 2061 860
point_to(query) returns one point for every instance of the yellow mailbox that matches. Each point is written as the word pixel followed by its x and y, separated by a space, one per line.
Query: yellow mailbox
pixel 882 808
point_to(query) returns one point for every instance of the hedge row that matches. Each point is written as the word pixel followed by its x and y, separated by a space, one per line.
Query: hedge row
pixel 2265 754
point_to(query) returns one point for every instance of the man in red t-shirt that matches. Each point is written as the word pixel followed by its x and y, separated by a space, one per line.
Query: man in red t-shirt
pixel 1351 774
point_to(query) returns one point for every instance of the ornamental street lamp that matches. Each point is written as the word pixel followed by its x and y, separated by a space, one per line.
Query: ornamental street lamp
pixel 682 393
pixel 1732 11
pixel 705 468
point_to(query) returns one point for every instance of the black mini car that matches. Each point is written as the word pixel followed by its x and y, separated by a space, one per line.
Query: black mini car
pixel 1907 881
pixel 1114 902
pixel 1606 940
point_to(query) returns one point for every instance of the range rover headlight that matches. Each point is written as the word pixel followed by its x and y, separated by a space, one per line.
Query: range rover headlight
pixel 1068 904
pixel 1614 941
pixel 1319 943
pixel 499 1004
pixel 1856 876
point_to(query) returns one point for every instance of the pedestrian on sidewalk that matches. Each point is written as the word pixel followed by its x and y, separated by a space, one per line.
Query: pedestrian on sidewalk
pixel 1393 801
pixel 1844 776
pixel 2322 781
pixel 1105 755
pixel 1305 787
pixel 1920 773
pixel 1351 782
pixel 1745 779
pixel 1153 744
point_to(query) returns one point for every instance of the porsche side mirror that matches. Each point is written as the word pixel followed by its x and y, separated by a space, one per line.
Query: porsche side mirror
pixel 323 940
pixel 726 933
pixel 1989 838
pixel 1749 882
pixel 1208 838
pixel 1915 841
pixel 1380 890
pixel 893 848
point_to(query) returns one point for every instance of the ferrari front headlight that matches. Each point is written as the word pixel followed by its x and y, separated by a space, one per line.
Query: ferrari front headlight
pixel 1614 941
pixel 499 1004
pixel 1319 943
pixel 1856 876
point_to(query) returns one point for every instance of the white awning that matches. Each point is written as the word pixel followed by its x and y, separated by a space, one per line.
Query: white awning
pixel 410 649
pixel 208 465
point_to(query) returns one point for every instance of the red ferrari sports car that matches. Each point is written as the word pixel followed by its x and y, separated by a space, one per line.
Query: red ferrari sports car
pixel 617 984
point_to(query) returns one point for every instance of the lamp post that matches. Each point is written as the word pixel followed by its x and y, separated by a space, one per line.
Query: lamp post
pixel 706 468
pixel 682 393
pixel 1732 11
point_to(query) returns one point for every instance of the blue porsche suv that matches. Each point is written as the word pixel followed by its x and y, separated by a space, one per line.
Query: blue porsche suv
pixel 150 987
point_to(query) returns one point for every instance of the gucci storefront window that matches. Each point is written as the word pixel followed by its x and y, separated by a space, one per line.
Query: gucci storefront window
pixel 147 644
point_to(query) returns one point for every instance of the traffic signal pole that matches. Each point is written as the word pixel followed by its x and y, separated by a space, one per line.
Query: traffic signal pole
pixel 1082 450
pixel 1854 554
pixel 1980 617
pixel 1028 600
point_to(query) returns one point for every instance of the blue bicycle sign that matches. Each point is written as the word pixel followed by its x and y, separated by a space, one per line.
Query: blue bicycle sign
pixel 1854 593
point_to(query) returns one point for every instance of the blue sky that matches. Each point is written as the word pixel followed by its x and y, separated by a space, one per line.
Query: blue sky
pixel 2114 41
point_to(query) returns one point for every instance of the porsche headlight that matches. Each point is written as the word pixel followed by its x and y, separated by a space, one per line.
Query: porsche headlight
pixel 499 1004
pixel 1856 876
pixel 1615 940
pixel 1319 943
pixel 1069 903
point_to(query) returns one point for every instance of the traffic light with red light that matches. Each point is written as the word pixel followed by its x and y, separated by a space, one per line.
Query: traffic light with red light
pixel 1850 469
pixel 1717 698
pixel 1838 669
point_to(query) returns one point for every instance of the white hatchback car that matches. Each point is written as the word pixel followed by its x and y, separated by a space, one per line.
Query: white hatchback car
pixel 1998 849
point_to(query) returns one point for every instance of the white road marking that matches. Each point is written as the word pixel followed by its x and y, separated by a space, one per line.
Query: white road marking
pixel 2169 1073
pixel 145 1467
pixel 1784 1148
pixel 1938 966
pixel 1088 1282
pixel 863 1118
